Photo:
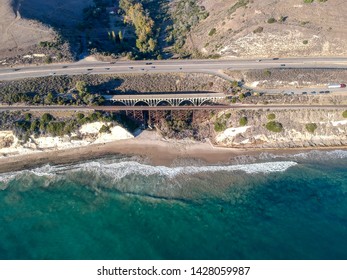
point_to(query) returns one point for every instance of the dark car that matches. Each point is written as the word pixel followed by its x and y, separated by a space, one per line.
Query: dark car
pixel 327 91
pixel 283 65
pixel 321 92
pixel 304 92
pixel 275 58
pixel 148 63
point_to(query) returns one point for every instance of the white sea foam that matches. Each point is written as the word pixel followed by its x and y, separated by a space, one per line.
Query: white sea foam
pixel 120 169
pixel 310 155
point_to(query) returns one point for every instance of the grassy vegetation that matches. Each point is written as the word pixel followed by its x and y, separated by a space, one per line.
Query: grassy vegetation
pixel 311 127
pixel 274 126
pixel 344 114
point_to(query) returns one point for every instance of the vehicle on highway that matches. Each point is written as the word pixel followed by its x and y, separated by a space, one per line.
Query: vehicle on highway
pixel 283 65
pixel 153 67
pixel 275 58
pixel 52 73
pixel 131 67
pixel 65 66
pixel 107 68
pixel 258 60
pixel 304 92
pixel 90 69
pixel 327 91
pixel 180 68
pixel 148 63
pixel 313 92
pixel 142 69
pixel 112 62
pixel 321 91
pixel 336 85
pixel 16 69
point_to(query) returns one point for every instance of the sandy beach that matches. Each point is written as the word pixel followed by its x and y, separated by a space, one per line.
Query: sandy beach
pixel 148 145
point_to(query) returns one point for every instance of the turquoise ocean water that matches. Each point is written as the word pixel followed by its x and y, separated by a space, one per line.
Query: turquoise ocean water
pixel 269 207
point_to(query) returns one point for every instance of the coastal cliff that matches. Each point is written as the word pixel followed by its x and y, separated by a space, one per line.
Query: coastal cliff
pixel 281 129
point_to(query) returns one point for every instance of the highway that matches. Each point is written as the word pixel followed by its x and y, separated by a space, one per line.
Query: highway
pixel 166 66
pixel 167 108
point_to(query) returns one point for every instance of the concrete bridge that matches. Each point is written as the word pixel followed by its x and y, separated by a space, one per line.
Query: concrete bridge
pixel 177 99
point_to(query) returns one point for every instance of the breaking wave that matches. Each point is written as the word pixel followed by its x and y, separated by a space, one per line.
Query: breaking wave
pixel 319 155
pixel 120 169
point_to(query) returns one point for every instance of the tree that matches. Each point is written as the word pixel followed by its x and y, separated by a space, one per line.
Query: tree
pixel 49 98
pixel 120 35
pixel 82 88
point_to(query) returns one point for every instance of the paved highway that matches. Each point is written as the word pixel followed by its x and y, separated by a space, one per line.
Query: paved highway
pixel 167 108
pixel 165 66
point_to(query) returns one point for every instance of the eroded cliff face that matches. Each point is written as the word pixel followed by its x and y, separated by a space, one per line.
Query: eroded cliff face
pixel 300 128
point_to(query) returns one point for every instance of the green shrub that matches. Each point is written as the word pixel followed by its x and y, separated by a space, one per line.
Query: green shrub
pixel 227 115
pixel 271 116
pixel 46 118
pixel 243 121
pixel 311 127
pixel 212 32
pixel 274 126
pixel 344 114
pixel 258 30
pixel 305 42
pixel 271 20
pixel 104 129
pixel 220 126
pixel 308 1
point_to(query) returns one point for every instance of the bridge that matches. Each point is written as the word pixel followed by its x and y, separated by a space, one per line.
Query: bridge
pixel 168 99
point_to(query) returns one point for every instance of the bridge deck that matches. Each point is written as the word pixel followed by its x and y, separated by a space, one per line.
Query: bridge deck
pixel 166 96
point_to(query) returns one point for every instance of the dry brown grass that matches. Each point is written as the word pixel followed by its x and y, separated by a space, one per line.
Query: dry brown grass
pixel 323 25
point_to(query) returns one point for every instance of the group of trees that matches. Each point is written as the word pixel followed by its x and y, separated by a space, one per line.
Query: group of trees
pixel 82 96
pixel 143 24
pixel 27 125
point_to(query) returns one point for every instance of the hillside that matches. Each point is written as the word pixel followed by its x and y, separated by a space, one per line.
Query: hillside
pixel 36 30
pixel 18 34
pixel 39 31
pixel 268 28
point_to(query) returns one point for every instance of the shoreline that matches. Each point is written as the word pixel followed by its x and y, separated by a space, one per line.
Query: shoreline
pixel 148 146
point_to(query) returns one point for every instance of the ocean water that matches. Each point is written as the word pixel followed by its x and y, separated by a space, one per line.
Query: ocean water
pixel 265 207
